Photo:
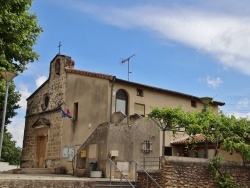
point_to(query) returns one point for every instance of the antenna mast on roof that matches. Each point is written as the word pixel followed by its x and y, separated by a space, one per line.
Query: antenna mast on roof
pixel 123 61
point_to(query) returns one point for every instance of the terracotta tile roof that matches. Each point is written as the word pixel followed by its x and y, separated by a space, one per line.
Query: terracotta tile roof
pixel 168 91
pixel 92 74
pixel 199 138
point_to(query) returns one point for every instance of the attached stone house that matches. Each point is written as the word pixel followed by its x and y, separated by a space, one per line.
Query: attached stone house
pixel 93 99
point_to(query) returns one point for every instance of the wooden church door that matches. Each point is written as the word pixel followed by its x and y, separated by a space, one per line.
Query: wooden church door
pixel 41 149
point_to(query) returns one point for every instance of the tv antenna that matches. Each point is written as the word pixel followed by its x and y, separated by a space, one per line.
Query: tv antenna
pixel 123 61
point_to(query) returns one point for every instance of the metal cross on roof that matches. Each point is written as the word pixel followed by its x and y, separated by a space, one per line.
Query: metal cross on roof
pixel 59 47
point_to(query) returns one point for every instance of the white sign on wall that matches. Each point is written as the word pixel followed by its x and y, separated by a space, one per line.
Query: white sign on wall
pixel 65 152
pixel 71 153
pixel 68 152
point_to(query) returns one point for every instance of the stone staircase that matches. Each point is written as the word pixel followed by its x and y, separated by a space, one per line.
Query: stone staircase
pixel 4 167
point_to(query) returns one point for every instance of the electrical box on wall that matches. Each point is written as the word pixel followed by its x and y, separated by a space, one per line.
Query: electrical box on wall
pixel 83 154
pixel 114 153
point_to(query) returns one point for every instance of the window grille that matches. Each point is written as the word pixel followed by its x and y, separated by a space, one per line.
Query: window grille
pixel 146 146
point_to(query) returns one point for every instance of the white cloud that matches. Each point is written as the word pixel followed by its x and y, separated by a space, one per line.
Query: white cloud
pixel 243 103
pixel 23 89
pixel 222 33
pixel 16 128
pixel 214 82
pixel 240 115
pixel 40 80
pixel 241 109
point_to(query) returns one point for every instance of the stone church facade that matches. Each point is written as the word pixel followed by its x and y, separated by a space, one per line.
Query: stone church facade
pixel 51 141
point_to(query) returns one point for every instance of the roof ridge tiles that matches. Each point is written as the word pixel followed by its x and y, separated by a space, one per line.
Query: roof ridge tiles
pixel 87 73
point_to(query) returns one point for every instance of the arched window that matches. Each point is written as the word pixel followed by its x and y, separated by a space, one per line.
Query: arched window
pixel 121 101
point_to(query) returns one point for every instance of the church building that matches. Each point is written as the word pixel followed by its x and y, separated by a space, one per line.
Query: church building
pixel 71 104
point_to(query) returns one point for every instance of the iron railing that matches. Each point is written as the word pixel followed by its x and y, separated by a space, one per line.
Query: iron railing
pixel 148 175
pixel 151 162
pixel 121 174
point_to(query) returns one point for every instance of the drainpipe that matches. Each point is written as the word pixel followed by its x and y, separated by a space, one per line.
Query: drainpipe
pixel 111 98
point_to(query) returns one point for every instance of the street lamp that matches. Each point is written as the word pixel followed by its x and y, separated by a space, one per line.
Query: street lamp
pixel 206 101
pixel 7 76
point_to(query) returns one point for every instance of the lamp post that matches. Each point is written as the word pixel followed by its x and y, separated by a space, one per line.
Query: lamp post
pixel 206 101
pixel 7 76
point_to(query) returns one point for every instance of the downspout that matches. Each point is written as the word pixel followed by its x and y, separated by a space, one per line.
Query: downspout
pixel 111 98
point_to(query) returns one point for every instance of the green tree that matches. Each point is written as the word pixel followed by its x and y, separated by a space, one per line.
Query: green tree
pixel 167 119
pixel 225 132
pixel 18 34
pixel 10 153
pixel 12 103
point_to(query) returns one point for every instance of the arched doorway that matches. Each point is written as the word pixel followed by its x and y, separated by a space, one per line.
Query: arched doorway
pixel 121 102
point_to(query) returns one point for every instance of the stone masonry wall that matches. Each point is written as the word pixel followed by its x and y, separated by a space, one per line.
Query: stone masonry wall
pixel 144 182
pixel 193 173
pixel 54 140
pixel 55 89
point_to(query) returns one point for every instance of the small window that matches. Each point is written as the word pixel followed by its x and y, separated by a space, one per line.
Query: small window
pixel 57 67
pixel 75 113
pixel 146 146
pixel 45 103
pixel 139 92
pixel 193 104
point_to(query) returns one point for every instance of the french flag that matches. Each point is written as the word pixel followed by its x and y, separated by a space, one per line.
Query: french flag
pixel 64 114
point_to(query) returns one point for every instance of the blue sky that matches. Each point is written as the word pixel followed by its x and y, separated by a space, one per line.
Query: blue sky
pixel 197 47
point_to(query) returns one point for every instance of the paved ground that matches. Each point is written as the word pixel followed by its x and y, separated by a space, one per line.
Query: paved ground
pixel 4 166
pixel 4 176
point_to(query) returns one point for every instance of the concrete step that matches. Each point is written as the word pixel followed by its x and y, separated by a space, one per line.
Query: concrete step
pixel 36 170
pixel 107 184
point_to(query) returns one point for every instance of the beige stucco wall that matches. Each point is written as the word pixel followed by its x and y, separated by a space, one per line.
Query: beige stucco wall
pixel 153 98
pixel 92 95
pixel 156 98
pixel 231 157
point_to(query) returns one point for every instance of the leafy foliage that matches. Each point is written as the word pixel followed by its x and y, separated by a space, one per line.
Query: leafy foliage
pixel 19 32
pixel 12 103
pixel 224 178
pixel 10 153
pixel 167 118
pixel 225 132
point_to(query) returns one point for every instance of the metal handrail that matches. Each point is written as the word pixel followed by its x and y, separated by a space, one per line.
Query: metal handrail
pixel 155 163
pixel 122 175
pixel 148 175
